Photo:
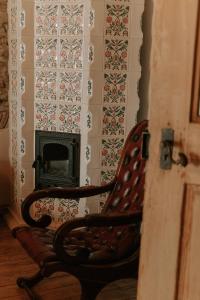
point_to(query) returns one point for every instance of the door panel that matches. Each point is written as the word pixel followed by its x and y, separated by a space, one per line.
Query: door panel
pixel 165 263
pixel 189 262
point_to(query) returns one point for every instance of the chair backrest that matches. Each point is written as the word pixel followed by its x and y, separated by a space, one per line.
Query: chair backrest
pixel 128 193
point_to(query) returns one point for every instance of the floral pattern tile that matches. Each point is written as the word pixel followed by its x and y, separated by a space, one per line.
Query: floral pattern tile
pixel 71 19
pixel 69 118
pixel 44 206
pixel 107 176
pixel 14 113
pixel 116 54
pixel 67 209
pixel 13 52
pixel 70 86
pixel 14 143
pixel 45 87
pixel 45 116
pixel 14 82
pixel 13 19
pixel 117 20
pixel 46 19
pixel 113 120
pixel 71 53
pixel 115 88
pixel 111 151
pixel 23 19
pixel 46 52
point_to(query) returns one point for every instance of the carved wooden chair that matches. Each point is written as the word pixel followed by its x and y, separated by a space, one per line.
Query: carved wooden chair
pixel 97 248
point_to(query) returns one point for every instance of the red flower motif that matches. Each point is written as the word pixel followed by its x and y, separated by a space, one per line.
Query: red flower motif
pixel 109 19
pixel 106 87
pixel 104 152
pixel 121 119
pixel 122 87
pixel 107 53
pixel 125 20
pixel 124 54
pixel 62 118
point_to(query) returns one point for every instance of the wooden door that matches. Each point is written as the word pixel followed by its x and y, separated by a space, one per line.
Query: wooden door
pixel 170 252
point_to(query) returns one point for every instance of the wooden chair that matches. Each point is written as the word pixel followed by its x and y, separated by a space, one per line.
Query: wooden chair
pixel 97 248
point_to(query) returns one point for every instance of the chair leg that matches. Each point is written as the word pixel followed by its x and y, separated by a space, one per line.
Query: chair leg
pixel 28 282
pixel 90 290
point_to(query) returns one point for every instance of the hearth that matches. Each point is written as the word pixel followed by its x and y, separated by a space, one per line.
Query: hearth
pixel 57 160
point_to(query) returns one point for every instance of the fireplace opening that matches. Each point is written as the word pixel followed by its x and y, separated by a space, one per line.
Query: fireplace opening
pixel 57 159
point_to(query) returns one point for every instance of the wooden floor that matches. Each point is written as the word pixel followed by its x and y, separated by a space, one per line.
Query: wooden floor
pixel 14 262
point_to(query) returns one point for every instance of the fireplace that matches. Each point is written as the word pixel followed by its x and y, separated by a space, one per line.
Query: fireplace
pixel 57 160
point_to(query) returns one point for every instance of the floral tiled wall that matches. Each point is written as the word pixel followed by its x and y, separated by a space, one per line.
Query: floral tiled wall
pixel 117 33
pixel 4 52
pixel 4 79
pixel 74 67
pixel 14 35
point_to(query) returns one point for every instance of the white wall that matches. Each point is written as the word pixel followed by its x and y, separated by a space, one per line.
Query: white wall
pixel 4 166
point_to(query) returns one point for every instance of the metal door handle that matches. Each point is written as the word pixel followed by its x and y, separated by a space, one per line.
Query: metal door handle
pixel 166 151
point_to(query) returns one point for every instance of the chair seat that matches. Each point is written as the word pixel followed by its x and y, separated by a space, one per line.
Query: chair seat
pixel 95 245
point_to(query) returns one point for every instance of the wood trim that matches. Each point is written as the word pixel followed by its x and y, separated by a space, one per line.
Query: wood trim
pixel 196 77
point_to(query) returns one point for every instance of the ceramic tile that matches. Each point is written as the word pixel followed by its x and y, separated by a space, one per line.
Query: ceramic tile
pixel 29 17
pixel 69 118
pixel 97 78
pixel 96 18
pixel 46 20
pixel 14 82
pixel 28 157
pixel 113 120
pixel 13 105
pixel 13 52
pixel 22 116
pixel 28 85
pixel 23 19
pixel 116 55
pixel 70 86
pixel 71 55
pixel 135 28
pixel 14 143
pixel 71 19
pixel 46 52
pixel 111 151
pixel 29 183
pixel 44 206
pixel 67 209
pixel 23 84
pixel 90 88
pixel 13 20
pixel 117 18
pixel 98 47
pixel 45 85
pixel 23 147
pixel 22 52
pixel 107 176
pixel 94 120
pixel 45 116
pixel 94 153
pixel 27 52
pixel 22 176
pixel 88 153
pixel 115 88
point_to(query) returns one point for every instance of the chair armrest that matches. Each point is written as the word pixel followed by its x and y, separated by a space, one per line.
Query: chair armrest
pixel 68 193
pixel 93 220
